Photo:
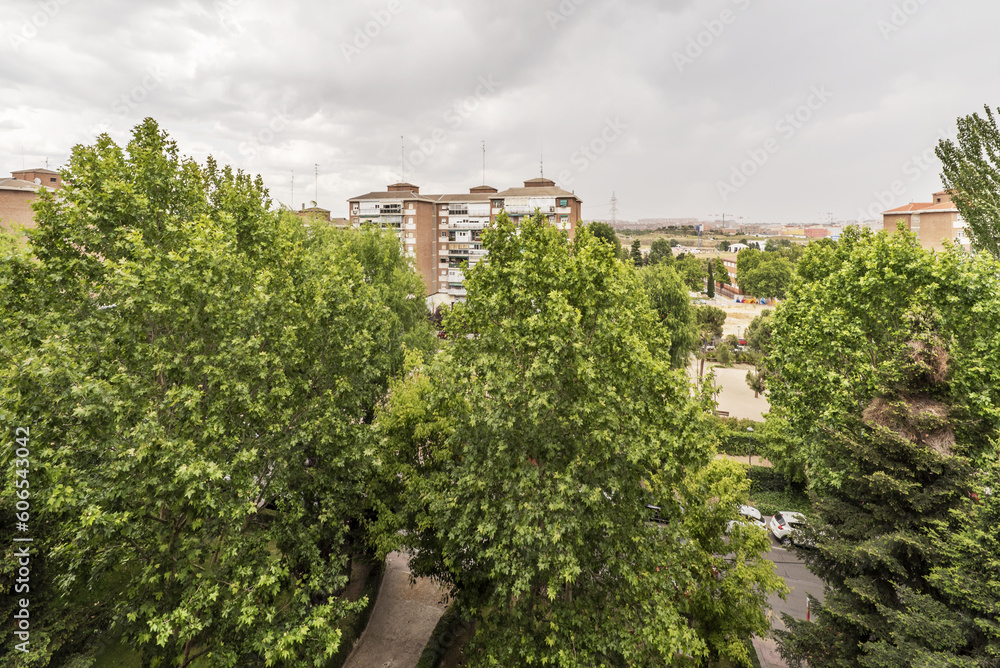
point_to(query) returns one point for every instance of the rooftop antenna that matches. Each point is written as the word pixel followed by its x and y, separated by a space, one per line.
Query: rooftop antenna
pixel 484 162
pixel 47 166
pixel 541 161
pixel 293 190
pixel 402 159
pixel 316 167
pixel 614 208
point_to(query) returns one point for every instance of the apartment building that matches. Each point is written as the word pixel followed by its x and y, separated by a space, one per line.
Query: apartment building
pixel 19 191
pixel 441 232
pixel 931 222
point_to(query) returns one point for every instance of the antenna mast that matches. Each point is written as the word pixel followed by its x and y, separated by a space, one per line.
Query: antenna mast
pixel 316 166
pixel 541 162
pixel 402 160
pixel 614 208
pixel 293 191
pixel 484 162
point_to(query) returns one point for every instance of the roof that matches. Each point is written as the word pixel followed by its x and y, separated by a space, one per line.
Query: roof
pixel 470 197
pixel 544 191
pixel 396 194
pixel 40 170
pixel 923 207
pixel 539 182
pixel 19 184
pixel 314 209
pixel 403 185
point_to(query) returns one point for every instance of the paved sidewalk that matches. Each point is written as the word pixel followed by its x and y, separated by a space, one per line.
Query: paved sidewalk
pixel 402 621
pixel 767 653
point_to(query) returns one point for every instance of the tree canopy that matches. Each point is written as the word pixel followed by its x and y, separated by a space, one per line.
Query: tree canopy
pixel 668 297
pixel 525 455
pixel 198 372
pixel 885 370
pixel 607 234
pixel 972 174
pixel 761 274
pixel 659 251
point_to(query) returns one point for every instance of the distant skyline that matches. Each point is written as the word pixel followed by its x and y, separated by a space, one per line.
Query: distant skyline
pixel 767 112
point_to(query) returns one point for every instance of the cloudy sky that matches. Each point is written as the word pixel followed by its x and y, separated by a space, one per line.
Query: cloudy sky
pixel 765 110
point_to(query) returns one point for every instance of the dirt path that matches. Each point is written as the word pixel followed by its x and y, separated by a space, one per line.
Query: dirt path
pixel 402 621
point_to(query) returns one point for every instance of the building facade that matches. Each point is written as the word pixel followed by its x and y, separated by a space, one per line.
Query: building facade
pixel 441 232
pixel 931 222
pixel 19 191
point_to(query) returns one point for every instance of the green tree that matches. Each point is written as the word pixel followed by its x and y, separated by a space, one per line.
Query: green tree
pixel 197 372
pixel 972 175
pixel 668 297
pixel 528 450
pixel 691 270
pixel 606 233
pixel 764 274
pixel 885 372
pixel 758 334
pixel 659 251
pixel 710 320
pixel 710 280
pixel 636 253
pixel 721 272
pixel 723 246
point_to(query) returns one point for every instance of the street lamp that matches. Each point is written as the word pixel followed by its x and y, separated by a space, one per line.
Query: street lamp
pixel 749 451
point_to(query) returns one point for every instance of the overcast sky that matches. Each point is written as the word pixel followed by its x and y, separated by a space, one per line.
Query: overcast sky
pixel 770 111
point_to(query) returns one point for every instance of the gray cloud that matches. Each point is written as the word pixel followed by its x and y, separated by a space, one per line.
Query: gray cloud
pixel 656 101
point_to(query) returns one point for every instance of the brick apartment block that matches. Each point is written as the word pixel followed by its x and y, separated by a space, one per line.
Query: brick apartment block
pixel 440 232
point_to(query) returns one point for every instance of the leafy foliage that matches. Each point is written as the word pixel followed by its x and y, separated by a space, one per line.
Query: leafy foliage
pixel 197 372
pixel 659 251
pixel 972 174
pixel 763 274
pixel 668 298
pixel 885 367
pixel 606 233
pixel 691 270
pixel 524 455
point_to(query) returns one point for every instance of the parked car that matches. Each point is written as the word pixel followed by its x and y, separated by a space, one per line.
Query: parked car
pixel 749 515
pixel 784 527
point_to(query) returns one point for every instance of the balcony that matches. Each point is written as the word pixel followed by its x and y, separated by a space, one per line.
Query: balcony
pixel 390 221
pixel 392 208
pixel 468 224
pixel 457 210
pixel 528 210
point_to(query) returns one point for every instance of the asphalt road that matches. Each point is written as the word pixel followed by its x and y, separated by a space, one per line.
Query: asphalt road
pixel 800 581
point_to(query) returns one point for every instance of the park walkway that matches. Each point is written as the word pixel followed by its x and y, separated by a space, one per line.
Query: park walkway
pixel 402 621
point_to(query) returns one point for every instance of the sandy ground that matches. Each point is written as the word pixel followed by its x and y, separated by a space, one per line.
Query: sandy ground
pixel 735 397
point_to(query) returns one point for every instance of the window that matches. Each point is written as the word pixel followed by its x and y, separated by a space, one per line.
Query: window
pixel 52 179
pixel 564 202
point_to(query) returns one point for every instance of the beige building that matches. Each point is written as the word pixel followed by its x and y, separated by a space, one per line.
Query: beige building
pixel 19 191
pixel 932 222
pixel 440 232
